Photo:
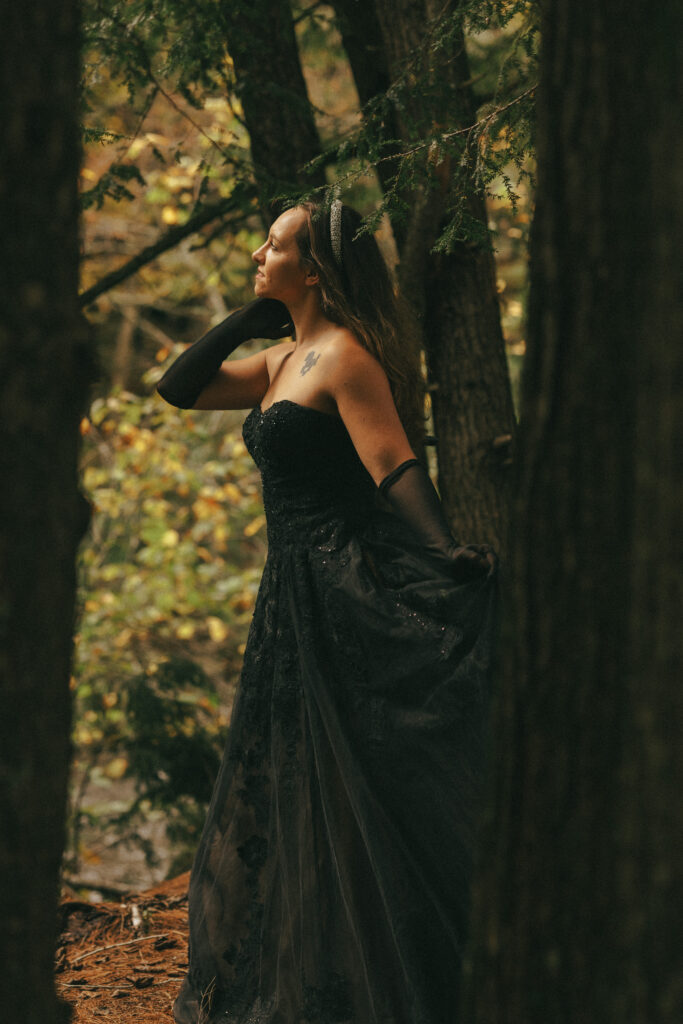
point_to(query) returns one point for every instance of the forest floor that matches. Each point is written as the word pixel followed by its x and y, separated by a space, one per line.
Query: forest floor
pixel 123 962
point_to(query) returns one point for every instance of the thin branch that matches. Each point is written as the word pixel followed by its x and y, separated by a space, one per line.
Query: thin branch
pixel 163 244
pixel 128 942
pixel 183 113
pixel 354 173
pixel 147 66
pixel 465 131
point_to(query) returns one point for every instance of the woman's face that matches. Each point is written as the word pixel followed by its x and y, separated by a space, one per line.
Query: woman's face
pixel 280 274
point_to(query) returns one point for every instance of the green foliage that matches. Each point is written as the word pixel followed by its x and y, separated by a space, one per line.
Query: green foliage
pixel 114 184
pixel 443 146
pixel 169 573
pixel 172 46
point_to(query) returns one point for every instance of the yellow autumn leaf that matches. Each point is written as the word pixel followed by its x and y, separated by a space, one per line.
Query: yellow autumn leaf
pixel 124 638
pixel 117 768
pixel 218 630
pixel 185 631
pixel 232 492
pixel 169 215
pixel 170 539
pixel 205 508
pixel 220 534
pixel 82 735
pixel 254 526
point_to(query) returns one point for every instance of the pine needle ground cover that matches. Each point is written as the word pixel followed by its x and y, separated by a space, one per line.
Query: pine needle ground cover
pixel 124 962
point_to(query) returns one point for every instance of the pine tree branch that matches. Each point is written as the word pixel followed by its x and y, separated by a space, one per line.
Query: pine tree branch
pixel 237 201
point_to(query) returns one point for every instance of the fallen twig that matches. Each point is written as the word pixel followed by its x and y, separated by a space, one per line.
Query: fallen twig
pixel 128 942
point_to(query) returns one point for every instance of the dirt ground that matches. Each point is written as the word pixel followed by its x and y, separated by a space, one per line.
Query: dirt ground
pixel 123 962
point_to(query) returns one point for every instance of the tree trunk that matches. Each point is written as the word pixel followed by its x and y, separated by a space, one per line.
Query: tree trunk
pixel 455 296
pixel 577 909
pixel 270 84
pixel 364 45
pixel 43 382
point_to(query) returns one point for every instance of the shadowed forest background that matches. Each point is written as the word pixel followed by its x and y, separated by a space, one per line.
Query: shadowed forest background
pixel 148 146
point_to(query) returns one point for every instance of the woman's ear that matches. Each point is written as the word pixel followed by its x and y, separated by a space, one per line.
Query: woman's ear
pixel 312 278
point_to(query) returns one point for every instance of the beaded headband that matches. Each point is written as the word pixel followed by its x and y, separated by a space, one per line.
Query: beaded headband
pixel 335 230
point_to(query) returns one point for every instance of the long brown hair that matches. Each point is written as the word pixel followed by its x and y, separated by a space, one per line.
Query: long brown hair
pixel 358 294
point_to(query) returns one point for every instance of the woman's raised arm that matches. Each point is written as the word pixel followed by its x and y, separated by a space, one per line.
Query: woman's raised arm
pixel 198 380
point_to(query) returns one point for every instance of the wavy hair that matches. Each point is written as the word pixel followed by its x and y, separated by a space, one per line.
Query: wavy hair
pixel 358 294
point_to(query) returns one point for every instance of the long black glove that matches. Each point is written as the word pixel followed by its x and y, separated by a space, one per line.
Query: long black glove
pixel 411 494
pixel 184 381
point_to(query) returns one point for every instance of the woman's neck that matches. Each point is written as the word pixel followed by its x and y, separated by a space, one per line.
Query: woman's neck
pixel 308 318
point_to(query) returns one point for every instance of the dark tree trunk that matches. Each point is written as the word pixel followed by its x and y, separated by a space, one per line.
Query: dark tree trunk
pixel 364 45
pixel 270 83
pixel 577 909
pixel 455 297
pixel 43 381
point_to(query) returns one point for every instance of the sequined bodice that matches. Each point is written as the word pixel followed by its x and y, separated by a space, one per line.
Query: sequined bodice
pixel 313 481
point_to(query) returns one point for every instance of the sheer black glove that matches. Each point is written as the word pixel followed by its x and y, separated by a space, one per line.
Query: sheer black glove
pixel 411 494
pixel 184 381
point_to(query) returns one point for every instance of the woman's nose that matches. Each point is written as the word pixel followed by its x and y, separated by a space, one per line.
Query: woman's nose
pixel 257 254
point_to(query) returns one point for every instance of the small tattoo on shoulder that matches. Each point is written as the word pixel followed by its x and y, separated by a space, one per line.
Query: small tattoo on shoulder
pixel 309 362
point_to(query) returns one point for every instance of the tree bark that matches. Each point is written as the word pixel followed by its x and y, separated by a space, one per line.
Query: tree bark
pixel 364 45
pixel 456 299
pixel 270 84
pixel 577 908
pixel 43 374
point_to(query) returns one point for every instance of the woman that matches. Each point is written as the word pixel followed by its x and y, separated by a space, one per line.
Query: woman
pixel 331 879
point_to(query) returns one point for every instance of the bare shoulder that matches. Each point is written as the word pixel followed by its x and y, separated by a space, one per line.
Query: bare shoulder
pixel 350 363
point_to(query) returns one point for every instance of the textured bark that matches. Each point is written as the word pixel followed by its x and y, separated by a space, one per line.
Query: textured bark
pixel 42 385
pixel 455 296
pixel 364 45
pixel 577 909
pixel 277 113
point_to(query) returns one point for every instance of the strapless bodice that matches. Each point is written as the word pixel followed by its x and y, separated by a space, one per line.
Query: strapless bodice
pixel 315 488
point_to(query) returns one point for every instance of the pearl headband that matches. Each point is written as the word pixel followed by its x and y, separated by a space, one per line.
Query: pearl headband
pixel 335 230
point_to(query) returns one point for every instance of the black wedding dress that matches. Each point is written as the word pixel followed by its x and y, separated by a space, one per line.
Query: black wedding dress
pixel 331 881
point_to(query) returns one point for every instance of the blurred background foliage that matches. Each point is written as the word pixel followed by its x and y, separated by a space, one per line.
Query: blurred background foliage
pixel 171 564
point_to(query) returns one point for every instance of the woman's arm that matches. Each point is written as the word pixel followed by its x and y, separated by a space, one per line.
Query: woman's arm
pixel 198 380
pixel 238 384
pixel 365 403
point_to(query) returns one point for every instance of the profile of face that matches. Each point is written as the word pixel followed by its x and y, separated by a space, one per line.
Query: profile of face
pixel 281 274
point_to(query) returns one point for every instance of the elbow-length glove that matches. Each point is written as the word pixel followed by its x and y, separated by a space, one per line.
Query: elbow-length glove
pixel 410 493
pixel 184 381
